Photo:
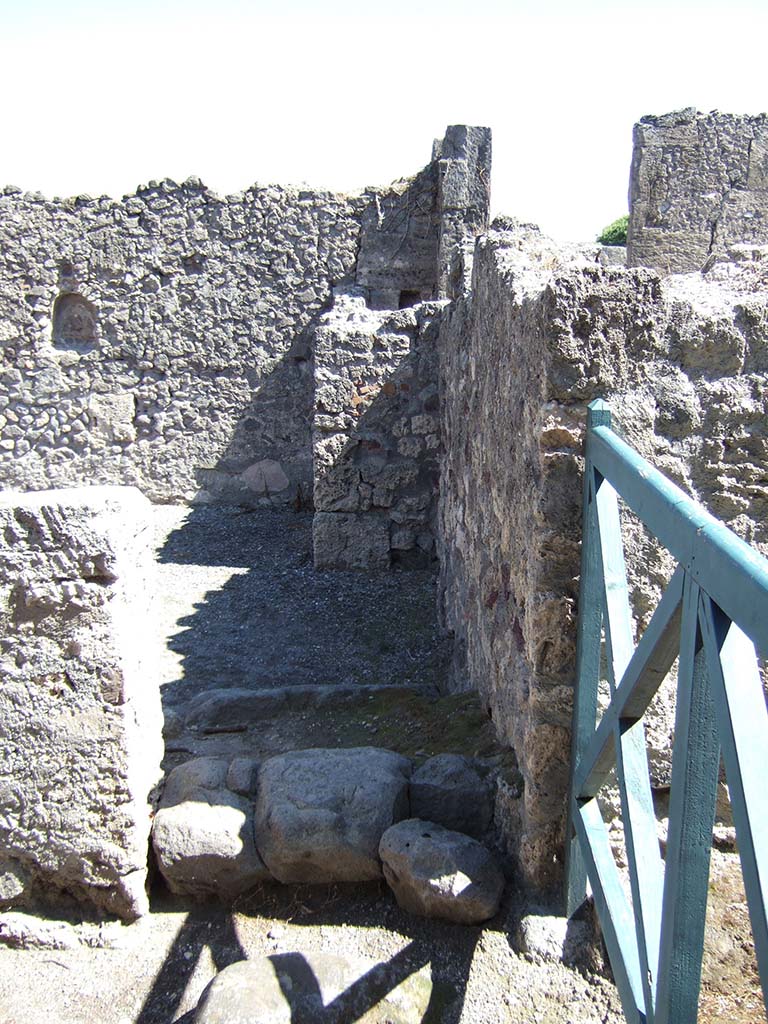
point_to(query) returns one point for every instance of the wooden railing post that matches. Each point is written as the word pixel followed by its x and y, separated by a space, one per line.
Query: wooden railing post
pixel 587 659
pixel 714 613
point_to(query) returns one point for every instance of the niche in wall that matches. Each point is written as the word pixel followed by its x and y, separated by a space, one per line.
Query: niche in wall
pixel 74 323
pixel 408 297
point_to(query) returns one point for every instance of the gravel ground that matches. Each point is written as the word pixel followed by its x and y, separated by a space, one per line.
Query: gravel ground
pixel 157 968
pixel 241 605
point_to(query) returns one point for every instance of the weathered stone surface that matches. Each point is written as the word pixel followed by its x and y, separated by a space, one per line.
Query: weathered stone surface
pixel 14 881
pixel 612 255
pixel 321 813
pixel 449 790
pixel 698 187
pixel 203 833
pixel 242 775
pixel 411 233
pixel 435 872
pixel 176 368
pixel 464 165
pixel 375 436
pixel 350 541
pixel 80 720
pixel 236 709
pixel 544 937
pixel 303 986
pixel 165 339
pixel 23 931
pixel 545 331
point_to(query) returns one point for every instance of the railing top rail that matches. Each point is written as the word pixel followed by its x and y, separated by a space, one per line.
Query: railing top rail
pixel 724 566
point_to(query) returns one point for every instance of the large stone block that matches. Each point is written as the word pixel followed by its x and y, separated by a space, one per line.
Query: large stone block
pixel 80 718
pixel 203 831
pixel 321 813
pixel 435 872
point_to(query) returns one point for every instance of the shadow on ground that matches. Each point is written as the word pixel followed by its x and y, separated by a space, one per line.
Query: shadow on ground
pixel 351 920
pixel 276 621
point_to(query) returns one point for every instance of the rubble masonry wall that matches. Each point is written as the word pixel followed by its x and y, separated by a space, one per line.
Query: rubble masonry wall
pixel 544 331
pixel 80 716
pixel 165 340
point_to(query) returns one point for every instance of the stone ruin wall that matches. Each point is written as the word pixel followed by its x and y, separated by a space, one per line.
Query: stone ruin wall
pixel 698 189
pixel 166 340
pixel 376 429
pixel 248 349
pixel 161 340
pixel 545 330
pixel 80 715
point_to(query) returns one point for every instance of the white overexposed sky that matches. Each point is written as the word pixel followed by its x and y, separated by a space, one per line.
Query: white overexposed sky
pixel 99 97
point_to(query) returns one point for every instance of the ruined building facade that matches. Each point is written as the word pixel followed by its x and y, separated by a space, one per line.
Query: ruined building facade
pixel 418 378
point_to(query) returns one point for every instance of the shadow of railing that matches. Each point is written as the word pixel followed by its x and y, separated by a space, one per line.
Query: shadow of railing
pixel 448 949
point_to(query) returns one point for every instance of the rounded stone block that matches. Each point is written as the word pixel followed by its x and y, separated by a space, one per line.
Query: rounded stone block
pixel 434 872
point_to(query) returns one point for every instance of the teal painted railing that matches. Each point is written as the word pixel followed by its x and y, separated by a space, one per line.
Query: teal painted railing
pixel 713 615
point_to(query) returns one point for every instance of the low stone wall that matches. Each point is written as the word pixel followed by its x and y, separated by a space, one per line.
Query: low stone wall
pixel 544 331
pixel 80 718
pixel 375 436
pixel 698 189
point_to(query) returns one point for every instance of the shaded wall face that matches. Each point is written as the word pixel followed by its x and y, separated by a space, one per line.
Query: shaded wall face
pixel 683 365
pixel 376 437
pixel 397 265
pixel 698 188
pixel 162 340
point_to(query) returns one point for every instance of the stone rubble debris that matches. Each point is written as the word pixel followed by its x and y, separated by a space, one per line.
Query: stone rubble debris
pixel 324 816
pixel 434 872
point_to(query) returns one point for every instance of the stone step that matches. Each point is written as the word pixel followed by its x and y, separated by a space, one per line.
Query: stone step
pixel 237 709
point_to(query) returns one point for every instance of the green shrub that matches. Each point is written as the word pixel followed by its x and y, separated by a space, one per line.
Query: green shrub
pixel 616 233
